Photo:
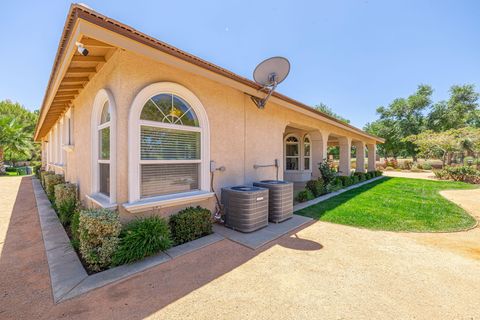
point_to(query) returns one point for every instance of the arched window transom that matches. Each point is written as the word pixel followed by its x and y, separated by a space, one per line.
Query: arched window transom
pixel 170 147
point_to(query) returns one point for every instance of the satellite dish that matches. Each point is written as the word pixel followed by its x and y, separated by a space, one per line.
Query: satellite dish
pixel 269 73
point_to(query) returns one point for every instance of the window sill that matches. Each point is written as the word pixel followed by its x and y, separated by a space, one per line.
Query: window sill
pixel 68 147
pixel 102 201
pixel 167 201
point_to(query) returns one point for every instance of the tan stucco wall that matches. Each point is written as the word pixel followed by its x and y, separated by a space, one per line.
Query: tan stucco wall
pixel 240 134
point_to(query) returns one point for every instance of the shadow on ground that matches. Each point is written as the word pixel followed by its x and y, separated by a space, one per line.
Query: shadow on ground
pixel 24 275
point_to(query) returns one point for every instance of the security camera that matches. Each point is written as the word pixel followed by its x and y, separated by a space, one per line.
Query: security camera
pixel 81 49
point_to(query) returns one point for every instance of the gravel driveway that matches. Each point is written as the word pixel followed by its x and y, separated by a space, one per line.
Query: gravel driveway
pixel 324 271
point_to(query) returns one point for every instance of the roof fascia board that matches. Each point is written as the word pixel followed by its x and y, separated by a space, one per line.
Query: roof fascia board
pixel 65 62
pixel 99 33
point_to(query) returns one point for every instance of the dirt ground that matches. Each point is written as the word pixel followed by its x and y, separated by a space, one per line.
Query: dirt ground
pixel 428 175
pixel 324 271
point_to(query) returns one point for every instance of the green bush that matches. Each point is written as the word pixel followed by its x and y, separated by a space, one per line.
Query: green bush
pixel 51 180
pixel 98 231
pixel 317 187
pixel 360 175
pixel 460 173
pixel 370 175
pixel 65 201
pixel 355 179
pixel 43 174
pixel 346 180
pixel 305 195
pixel 36 169
pixel 406 165
pixel 75 241
pixel 335 185
pixel 378 173
pixel 426 166
pixel 10 169
pixel 142 238
pixel 190 224
pixel 327 172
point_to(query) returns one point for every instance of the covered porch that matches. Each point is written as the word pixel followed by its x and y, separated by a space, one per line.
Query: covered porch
pixel 304 148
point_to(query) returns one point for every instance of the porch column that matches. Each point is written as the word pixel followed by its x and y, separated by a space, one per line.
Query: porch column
pixel 345 152
pixel 319 150
pixel 372 156
pixel 360 150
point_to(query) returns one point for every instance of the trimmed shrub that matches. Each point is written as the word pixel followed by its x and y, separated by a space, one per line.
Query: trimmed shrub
pixel 51 180
pixel 190 224
pixel 355 179
pixel 378 173
pixel 142 238
pixel 36 169
pixel 346 181
pixel 461 173
pixel 65 201
pixel 406 165
pixel 335 185
pixel 426 166
pixel 305 195
pixel 317 187
pixel 389 168
pixel 11 169
pixel 360 175
pixel 98 231
pixel 75 240
pixel 370 175
pixel 43 174
pixel 391 163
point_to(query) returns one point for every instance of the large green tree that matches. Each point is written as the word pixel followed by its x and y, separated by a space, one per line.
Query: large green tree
pixel 402 118
pixel 326 109
pixel 17 125
pixel 460 110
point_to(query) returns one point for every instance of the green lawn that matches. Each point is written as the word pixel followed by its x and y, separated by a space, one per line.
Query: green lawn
pixel 395 204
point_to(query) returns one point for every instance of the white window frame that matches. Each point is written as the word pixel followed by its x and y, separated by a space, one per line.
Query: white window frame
pixel 68 131
pixel 134 162
pixel 299 156
pixel 307 136
pixel 101 98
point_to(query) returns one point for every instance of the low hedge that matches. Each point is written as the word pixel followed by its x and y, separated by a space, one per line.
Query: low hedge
pixel 98 231
pixel 43 174
pixel 361 176
pixel 65 201
pixel 317 187
pixel 334 185
pixel 459 173
pixel 74 225
pixel 305 195
pixel 346 180
pixel 142 238
pixel 51 180
pixel 190 224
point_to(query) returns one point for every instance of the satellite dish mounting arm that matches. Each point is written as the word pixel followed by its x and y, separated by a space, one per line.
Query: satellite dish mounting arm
pixel 262 102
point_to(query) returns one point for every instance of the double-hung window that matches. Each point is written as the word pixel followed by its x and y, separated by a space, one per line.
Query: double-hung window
pixel 103 136
pixel 292 153
pixel 170 147
pixel 306 153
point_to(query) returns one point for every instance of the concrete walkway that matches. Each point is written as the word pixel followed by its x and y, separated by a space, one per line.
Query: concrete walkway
pixel 324 271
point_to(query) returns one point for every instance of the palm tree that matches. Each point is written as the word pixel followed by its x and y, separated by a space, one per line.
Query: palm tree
pixel 13 138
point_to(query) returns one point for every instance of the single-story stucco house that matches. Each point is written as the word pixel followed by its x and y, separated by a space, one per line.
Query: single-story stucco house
pixel 140 125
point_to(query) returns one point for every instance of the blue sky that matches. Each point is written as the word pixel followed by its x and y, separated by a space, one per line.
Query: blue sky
pixel 352 55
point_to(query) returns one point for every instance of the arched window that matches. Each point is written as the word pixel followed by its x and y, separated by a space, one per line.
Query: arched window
pixel 292 153
pixel 103 149
pixel 307 155
pixel 168 137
